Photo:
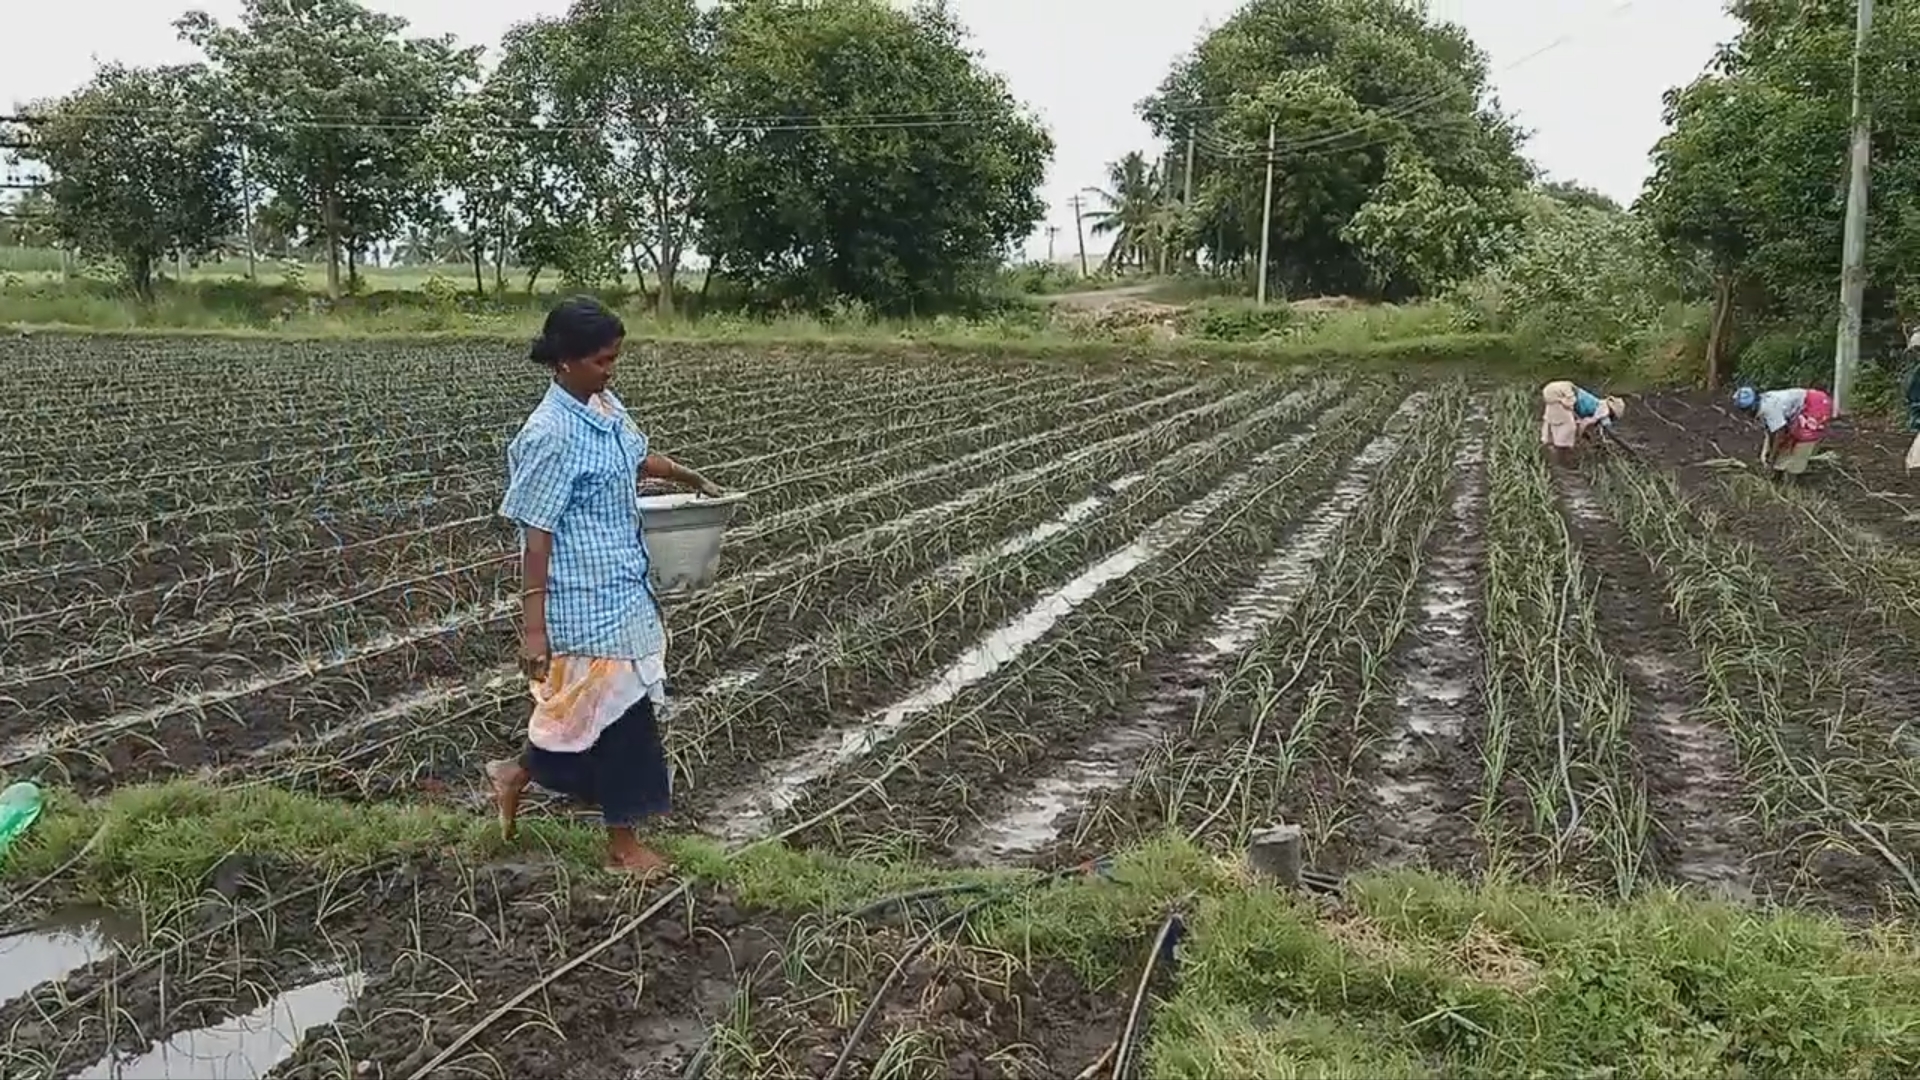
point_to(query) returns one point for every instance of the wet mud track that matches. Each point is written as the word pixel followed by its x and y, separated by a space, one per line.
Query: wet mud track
pixel 377 975
pixel 1689 768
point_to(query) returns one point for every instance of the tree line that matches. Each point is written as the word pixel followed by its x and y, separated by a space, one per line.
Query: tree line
pixel 1397 174
pixel 810 150
pixel 813 150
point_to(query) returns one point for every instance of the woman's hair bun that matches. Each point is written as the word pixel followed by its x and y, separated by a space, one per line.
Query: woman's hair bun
pixel 575 329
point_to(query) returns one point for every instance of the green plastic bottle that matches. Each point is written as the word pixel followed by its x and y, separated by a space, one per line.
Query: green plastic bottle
pixel 19 808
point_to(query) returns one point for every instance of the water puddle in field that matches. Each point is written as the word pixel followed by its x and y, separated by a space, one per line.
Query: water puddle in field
pixel 1703 759
pixel 1032 822
pixel 56 947
pixel 1581 501
pixel 1432 698
pixel 1288 574
pixel 1075 513
pixel 749 814
pixel 243 1047
pixel 1445 654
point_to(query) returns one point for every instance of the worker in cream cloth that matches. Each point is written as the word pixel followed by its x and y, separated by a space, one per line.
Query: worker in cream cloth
pixel 1570 412
pixel 1796 420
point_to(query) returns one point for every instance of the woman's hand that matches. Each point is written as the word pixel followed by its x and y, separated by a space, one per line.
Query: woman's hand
pixel 707 487
pixel 535 656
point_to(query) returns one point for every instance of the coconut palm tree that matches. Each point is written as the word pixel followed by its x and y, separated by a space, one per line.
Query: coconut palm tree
pixel 1136 201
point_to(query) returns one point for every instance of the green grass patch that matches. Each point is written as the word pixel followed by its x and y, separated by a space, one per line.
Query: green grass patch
pixel 1411 975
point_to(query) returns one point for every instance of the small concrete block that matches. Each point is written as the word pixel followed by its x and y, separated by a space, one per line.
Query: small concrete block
pixel 1275 854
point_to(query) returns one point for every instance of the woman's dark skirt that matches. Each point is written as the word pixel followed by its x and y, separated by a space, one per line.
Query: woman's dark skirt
pixel 624 773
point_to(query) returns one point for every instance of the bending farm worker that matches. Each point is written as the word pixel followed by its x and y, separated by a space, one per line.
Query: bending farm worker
pixel 592 644
pixel 1796 420
pixel 1913 417
pixel 1569 412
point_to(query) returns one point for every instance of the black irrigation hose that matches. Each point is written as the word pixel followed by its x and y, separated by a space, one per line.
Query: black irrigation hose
pixel 936 892
pixel 1164 944
pixel 926 939
pixel 920 945
pixel 1330 884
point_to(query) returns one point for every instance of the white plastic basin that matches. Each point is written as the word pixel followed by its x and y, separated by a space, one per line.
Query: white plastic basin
pixel 684 532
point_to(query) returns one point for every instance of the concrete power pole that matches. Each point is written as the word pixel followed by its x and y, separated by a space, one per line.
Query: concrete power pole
pixel 1052 231
pixel 1853 258
pixel 1266 219
pixel 1186 197
pixel 1079 234
pixel 246 213
pixel 1186 194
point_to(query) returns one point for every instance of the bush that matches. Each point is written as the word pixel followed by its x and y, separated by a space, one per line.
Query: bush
pixel 1785 358
pixel 1039 278
pixel 1235 320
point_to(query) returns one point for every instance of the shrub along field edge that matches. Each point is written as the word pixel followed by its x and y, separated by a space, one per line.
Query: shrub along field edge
pixel 1487 355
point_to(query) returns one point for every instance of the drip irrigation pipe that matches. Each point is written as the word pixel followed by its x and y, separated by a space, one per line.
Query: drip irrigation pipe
pixel 540 985
pixel 1127 1049
pixel 920 945
pixel 703 1060
pixel 1092 867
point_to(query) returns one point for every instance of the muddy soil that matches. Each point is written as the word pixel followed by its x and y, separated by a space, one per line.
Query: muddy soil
pixel 1135 641
pixel 1870 488
pixel 1870 481
pixel 372 976
pixel 1429 774
pixel 1688 767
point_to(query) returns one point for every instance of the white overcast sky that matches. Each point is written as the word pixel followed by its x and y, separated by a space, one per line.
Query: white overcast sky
pixel 1585 76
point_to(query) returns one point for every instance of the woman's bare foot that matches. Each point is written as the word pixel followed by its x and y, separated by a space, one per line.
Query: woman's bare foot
pixel 509 780
pixel 626 854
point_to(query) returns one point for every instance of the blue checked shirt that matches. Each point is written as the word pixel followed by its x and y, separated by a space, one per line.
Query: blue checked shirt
pixel 573 471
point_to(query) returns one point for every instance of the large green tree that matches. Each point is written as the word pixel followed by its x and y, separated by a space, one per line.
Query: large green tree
pixel 140 170
pixel 1394 165
pixel 862 152
pixel 339 106
pixel 631 81
pixel 1750 180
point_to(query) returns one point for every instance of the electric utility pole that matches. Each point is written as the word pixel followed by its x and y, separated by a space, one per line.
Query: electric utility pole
pixel 246 213
pixel 1186 195
pixel 1266 218
pixel 1079 234
pixel 1052 231
pixel 1853 258
pixel 1186 202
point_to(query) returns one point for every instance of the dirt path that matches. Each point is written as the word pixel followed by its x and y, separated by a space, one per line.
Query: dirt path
pixel 1101 299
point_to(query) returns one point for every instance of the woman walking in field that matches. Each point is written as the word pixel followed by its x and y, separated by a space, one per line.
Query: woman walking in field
pixel 1570 412
pixel 1796 420
pixel 592 644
